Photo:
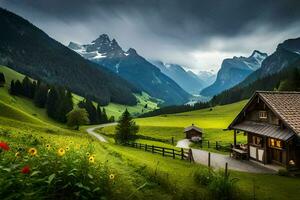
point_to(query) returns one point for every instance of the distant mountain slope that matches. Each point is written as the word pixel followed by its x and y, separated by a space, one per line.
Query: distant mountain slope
pixel 208 77
pixel 189 81
pixel 288 79
pixel 286 54
pixel 132 67
pixel 233 71
pixel 30 51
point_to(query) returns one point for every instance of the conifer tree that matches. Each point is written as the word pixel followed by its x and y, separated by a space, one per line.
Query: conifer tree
pixel 104 116
pixel 2 79
pixel 126 129
pixel 40 97
pixel 52 103
pixel 12 89
pixel 99 114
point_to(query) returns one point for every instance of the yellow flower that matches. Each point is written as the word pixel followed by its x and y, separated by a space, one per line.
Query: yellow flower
pixel 91 159
pixel 32 151
pixel 67 148
pixel 111 176
pixel 18 154
pixel 61 152
pixel 48 146
pixel 88 154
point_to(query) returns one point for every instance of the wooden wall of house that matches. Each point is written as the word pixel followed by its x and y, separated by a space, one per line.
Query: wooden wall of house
pixel 193 133
pixel 253 113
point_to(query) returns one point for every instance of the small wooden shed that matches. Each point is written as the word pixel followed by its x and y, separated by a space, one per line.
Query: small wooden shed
pixel 193 131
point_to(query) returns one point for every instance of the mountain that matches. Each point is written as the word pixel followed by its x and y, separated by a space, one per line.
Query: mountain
pixel 277 71
pixel 29 50
pixel 208 77
pixel 286 53
pixel 233 71
pixel 133 68
pixel 187 80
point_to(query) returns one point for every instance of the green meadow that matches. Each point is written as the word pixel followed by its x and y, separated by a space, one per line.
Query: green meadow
pixel 116 172
pixel 212 121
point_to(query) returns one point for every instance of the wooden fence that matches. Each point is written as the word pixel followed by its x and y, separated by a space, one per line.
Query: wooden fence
pixel 183 154
pixel 218 145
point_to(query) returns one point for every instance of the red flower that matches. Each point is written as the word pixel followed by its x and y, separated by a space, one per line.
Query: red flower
pixel 4 146
pixel 25 170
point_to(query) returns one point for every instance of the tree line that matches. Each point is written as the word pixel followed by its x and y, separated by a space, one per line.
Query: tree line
pixel 57 101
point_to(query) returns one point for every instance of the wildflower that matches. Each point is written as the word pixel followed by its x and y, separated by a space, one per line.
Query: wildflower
pixel 88 154
pixel 67 148
pixel 48 146
pixel 25 170
pixel 32 151
pixel 61 152
pixel 4 146
pixel 18 154
pixel 91 159
pixel 111 176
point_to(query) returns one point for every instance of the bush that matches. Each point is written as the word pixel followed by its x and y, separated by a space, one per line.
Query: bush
pixel 203 176
pixel 283 172
pixel 221 186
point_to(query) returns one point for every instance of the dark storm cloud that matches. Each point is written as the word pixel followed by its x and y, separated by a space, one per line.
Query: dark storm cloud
pixel 188 25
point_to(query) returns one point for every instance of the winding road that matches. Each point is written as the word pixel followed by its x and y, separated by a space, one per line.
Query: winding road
pixel 200 156
pixel 92 132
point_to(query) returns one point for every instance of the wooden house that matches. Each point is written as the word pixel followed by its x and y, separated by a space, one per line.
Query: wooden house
pixel 193 131
pixel 271 121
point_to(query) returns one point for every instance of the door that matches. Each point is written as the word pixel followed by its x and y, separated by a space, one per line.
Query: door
pixel 276 155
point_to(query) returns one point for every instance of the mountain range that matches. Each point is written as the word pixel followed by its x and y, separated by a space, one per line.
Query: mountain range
pixel 29 50
pixel 233 71
pixel 188 80
pixel 133 68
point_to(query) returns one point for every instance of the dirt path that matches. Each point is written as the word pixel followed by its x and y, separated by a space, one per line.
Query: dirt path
pixel 92 132
pixel 219 160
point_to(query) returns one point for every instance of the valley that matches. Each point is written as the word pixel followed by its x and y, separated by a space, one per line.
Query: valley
pixel 149 100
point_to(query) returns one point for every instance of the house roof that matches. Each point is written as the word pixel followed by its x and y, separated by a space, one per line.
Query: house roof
pixel 193 127
pixel 265 129
pixel 285 105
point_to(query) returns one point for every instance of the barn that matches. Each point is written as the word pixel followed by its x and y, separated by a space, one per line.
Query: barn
pixel 193 131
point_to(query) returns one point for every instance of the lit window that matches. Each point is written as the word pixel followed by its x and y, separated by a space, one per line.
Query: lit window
pixel 272 142
pixel 263 114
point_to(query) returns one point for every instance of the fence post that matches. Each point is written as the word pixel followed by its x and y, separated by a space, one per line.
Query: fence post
pixel 152 148
pixel 226 169
pixel 145 147
pixel 163 151
pixel 173 154
pixel 217 145
pixel 182 154
pixel 209 159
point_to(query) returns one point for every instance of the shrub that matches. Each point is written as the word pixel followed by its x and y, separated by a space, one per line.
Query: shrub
pixel 283 172
pixel 221 186
pixel 203 176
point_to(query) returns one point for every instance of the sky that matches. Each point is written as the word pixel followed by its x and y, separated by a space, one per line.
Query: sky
pixel 197 34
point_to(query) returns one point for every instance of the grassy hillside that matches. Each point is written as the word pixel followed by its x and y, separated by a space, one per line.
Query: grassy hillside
pixel 26 104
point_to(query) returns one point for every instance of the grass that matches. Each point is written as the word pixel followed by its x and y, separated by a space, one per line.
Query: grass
pixel 164 127
pixel 138 174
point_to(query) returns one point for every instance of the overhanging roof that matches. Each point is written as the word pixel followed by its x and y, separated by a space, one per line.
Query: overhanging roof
pixel 193 128
pixel 265 130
